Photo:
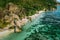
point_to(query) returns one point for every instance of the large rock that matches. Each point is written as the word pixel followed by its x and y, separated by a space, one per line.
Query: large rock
pixel 12 8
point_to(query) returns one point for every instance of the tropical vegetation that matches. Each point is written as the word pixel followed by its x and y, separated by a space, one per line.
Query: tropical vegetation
pixel 27 7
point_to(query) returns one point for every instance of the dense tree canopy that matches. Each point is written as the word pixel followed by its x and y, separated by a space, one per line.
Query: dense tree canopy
pixel 29 2
pixel 31 6
pixel 27 7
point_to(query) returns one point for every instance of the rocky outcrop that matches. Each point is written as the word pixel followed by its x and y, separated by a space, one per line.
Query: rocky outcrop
pixel 12 13
pixel 12 8
pixel 17 20
pixel 12 16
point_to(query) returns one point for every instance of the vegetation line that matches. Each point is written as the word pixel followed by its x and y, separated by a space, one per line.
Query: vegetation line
pixel 22 8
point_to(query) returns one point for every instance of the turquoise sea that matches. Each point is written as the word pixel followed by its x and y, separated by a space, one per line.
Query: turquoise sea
pixel 45 27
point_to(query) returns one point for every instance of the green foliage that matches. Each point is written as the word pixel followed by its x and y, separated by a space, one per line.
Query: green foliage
pixel 29 7
pixel 3 24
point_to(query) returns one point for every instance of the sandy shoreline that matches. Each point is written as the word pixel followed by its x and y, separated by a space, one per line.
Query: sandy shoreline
pixel 7 32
